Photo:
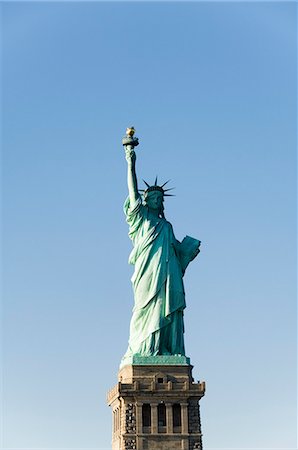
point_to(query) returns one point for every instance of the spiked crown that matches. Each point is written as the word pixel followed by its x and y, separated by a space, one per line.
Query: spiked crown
pixel 156 187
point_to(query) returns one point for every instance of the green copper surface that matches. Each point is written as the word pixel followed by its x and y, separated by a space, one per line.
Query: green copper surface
pixel 158 360
pixel 160 261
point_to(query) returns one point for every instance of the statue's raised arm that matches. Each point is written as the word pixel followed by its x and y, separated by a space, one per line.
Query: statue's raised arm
pixel 129 143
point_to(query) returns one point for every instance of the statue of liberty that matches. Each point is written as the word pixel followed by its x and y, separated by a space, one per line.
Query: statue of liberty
pixel 160 261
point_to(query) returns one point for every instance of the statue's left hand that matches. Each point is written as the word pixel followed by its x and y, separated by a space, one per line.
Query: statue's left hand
pixel 197 251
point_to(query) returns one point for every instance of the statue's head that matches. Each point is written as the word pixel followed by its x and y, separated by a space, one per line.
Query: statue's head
pixel 154 196
pixel 154 200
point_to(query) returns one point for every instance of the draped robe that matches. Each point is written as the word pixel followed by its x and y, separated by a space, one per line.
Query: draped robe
pixel 156 326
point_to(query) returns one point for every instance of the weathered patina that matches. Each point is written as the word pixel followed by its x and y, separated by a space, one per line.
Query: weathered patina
pixel 160 261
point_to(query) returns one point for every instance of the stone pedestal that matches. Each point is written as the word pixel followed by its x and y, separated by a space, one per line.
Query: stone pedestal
pixel 156 407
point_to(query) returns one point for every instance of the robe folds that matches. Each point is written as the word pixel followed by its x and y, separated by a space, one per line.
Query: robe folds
pixel 156 326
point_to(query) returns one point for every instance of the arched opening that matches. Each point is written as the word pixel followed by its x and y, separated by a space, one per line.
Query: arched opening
pixel 177 417
pixel 161 417
pixel 146 416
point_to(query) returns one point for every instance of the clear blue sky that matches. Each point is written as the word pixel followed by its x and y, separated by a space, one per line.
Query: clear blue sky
pixel 211 90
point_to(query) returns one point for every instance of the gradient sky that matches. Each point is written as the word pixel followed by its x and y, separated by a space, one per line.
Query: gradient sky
pixel 211 89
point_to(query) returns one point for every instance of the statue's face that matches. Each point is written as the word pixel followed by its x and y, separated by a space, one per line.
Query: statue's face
pixel 154 200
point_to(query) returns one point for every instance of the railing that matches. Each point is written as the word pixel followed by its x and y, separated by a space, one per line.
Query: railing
pixel 196 388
